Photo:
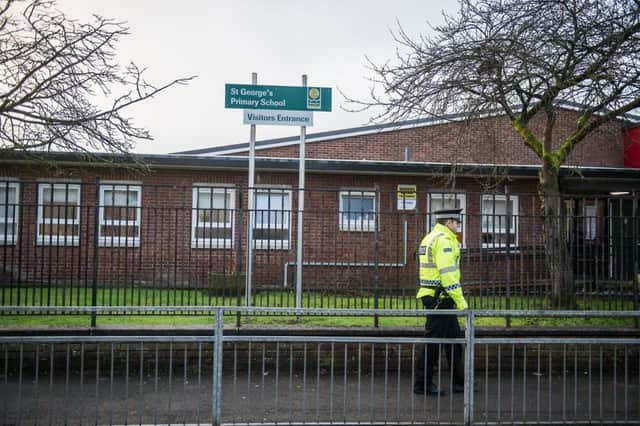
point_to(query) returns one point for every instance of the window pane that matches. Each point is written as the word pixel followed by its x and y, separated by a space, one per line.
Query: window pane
pixel 59 212
pixel 211 232
pixel 8 229
pixel 7 196
pixel 270 234
pixel 120 197
pixel 214 216
pixel 59 203
pixel 272 210
pixel 119 231
pixel 60 195
pixel 589 222
pixel 358 208
pixel 120 210
pixel 273 200
pixel 494 213
pixel 495 221
pixel 213 206
pixel 215 200
pixel 438 203
pixel 120 213
pixel 8 205
pixel 498 239
pixel 59 230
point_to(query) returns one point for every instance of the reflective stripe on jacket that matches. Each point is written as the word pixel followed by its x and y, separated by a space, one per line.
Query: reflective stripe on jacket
pixel 439 257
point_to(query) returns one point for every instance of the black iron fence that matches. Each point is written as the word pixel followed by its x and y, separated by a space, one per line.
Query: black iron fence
pixel 128 244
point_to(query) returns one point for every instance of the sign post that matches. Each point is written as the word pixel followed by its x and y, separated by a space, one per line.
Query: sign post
pixel 251 198
pixel 285 106
pixel 301 172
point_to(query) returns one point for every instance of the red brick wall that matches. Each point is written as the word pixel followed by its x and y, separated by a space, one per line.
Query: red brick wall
pixel 165 257
pixel 490 140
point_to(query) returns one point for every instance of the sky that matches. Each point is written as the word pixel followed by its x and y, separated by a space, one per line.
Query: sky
pixel 224 41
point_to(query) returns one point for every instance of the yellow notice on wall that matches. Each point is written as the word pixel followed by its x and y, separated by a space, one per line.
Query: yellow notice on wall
pixel 407 197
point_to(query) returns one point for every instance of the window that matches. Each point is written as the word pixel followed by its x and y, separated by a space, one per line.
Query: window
pixel 496 227
pixel 8 212
pixel 448 200
pixel 272 218
pixel 357 211
pixel 120 214
pixel 58 214
pixel 589 222
pixel 212 217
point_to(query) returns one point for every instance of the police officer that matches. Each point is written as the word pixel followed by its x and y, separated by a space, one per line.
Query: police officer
pixel 439 256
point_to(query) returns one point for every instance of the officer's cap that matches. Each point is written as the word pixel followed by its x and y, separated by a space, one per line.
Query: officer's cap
pixel 448 214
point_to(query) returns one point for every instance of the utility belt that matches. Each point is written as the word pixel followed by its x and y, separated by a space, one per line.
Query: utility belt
pixel 440 300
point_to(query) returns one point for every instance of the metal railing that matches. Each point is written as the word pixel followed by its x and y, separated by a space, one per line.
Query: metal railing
pixel 106 243
pixel 252 379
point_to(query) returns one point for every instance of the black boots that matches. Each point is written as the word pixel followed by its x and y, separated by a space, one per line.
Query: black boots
pixel 430 389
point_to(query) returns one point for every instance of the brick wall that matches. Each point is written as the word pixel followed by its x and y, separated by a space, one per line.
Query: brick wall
pixel 490 140
pixel 166 259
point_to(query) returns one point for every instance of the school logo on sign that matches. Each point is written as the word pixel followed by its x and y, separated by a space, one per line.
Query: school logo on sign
pixel 314 98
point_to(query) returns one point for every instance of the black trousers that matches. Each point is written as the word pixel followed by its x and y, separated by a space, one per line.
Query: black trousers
pixel 439 327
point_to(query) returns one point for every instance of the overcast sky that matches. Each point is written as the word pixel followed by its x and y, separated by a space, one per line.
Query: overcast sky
pixel 224 41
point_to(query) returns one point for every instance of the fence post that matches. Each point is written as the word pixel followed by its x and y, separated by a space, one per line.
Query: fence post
pixel 468 368
pixel 216 402
pixel 376 319
pixel 635 217
pixel 509 212
pixel 96 229
pixel 239 258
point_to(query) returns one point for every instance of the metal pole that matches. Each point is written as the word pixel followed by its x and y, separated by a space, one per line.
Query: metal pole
pixel 468 368
pixel 240 213
pixel 96 231
pixel 509 215
pixel 636 244
pixel 376 318
pixel 251 195
pixel 301 172
pixel 216 402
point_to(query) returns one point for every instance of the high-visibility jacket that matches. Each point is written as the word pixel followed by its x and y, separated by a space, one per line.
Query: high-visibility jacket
pixel 439 256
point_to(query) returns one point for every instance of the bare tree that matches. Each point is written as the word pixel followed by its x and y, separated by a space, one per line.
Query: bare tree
pixel 523 57
pixel 61 88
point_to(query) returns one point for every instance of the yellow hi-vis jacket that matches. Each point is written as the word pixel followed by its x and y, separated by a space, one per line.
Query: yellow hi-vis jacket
pixel 439 257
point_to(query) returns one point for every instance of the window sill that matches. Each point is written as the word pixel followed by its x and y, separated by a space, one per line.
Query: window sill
pixel 215 244
pixel 119 243
pixel 60 242
pixel 357 228
pixel 271 245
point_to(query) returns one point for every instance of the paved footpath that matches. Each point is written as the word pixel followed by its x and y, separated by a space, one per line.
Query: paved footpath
pixel 263 398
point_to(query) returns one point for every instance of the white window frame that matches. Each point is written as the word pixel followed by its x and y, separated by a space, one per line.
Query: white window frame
pixel 349 225
pixel 57 240
pixel 9 238
pixel 195 223
pixel 111 241
pixel 278 244
pixel 434 194
pixel 515 229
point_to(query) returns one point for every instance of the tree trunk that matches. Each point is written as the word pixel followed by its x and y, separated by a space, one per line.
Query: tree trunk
pixel 555 240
